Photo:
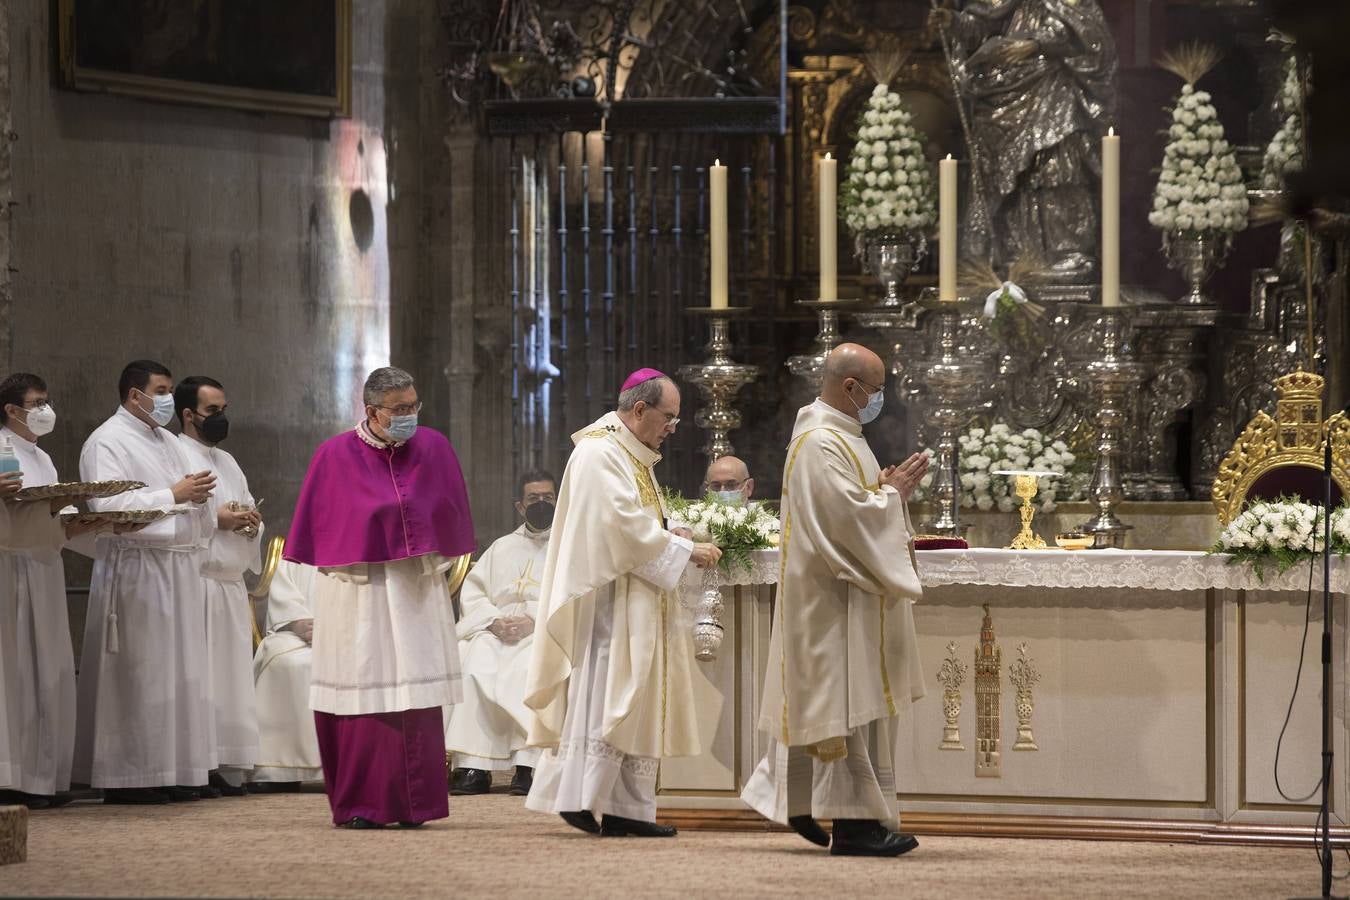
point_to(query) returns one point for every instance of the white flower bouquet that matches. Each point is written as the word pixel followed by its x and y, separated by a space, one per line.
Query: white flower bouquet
pixel 736 530
pixel 889 187
pixel 999 448
pixel 1284 153
pixel 1200 188
pixel 1283 532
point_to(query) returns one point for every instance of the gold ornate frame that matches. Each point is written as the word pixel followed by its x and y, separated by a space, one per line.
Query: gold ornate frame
pixel 81 78
pixel 1292 438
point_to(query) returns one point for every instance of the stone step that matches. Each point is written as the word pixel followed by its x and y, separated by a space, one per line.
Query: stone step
pixel 13 834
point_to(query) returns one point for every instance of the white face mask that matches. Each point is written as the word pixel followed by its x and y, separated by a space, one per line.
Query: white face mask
pixel 41 420
pixel 162 413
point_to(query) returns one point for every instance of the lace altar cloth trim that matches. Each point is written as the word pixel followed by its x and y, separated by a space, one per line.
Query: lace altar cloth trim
pixel 763 570
pixel 1159 570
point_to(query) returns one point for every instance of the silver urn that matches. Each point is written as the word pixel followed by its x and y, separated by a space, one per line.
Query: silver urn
pixel 890 257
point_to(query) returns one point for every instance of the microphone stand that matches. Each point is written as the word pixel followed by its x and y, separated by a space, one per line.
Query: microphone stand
pixel 1325 836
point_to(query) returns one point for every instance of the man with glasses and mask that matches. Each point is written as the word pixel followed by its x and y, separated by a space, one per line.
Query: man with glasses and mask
pixel 498 607
pixel 41 680
pixel 843 658
pixel 143 728
pixel 201 405
pixel 609 678
pixel 383 514
pixel 728 479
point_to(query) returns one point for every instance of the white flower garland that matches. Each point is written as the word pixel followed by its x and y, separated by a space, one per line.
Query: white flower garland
pixel 889 186
pixel 984 452
pixel 1284 532
pixel 1284 153
pixel 1200 188
pixel 708 519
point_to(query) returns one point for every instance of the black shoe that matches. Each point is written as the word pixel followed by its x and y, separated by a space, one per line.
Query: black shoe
pixel 34 801
pixel 522 782
pixel 207 792
pixel 618 826
pixel 868 837
pixel 583 820
pixel 360 824
pixel 411 824
pixel 135 796
pixel 465 782
pixel 810 829
pixel 274 787
pixel 224 788
pixel 178 793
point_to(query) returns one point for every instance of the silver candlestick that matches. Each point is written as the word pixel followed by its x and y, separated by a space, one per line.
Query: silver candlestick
pixel 809 366
pixel 719 379
pixel 958 381
pixel 1112 379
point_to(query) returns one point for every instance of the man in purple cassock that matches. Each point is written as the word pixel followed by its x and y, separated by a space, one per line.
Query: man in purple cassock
pixel 383 514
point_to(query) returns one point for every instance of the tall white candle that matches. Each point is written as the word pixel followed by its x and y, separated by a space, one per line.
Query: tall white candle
pixel 827 177
pixel 1111 219
pixel 717 233
pixel 947 229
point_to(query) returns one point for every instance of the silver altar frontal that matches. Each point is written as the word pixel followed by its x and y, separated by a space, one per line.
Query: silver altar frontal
pixel 1105 693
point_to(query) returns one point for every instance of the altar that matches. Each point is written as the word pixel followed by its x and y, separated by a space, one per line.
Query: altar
pixel 1117 693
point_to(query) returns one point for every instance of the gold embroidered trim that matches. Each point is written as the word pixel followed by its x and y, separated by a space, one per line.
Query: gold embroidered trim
pixel 829 750
pixel 647 494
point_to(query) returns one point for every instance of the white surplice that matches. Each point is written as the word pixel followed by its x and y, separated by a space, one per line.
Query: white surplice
pixel 288 748
pixel 42 699
pixel 229 612
pixel 143 718
pixel 843 656
pixel 609 676
pixel 487 729
pixel 25 528
pixel 384 638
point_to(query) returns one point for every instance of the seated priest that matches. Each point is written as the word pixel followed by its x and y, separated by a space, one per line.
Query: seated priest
pixel 498 606
pixel 728 479
pixel 383 514
pixel 288 750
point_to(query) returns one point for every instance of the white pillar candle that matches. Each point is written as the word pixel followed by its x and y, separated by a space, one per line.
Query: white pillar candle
pixel 827 177
pixel 1111 219
pixel 717 233
pixel 947 230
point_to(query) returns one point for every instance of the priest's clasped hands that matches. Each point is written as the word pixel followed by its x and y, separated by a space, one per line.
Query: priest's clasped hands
pixel 195 488
pixel 906 476
pixel 511 629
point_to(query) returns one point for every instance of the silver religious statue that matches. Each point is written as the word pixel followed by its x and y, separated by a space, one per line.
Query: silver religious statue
pixel 1037 86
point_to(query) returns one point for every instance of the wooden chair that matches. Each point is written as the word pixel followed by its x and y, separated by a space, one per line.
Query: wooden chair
pixel 271 560
pixel 1283 456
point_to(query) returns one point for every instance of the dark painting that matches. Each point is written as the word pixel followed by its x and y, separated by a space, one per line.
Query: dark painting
pixel 282 55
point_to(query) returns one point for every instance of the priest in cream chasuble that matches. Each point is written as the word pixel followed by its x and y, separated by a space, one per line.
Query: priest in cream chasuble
pixel 843 658
pixel 608 684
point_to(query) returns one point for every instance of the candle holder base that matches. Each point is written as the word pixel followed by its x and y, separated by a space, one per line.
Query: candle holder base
pixel 809 365
pixel 718 379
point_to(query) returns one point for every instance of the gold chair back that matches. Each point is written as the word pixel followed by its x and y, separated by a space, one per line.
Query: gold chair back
pixel 1284 454
pixel 271 560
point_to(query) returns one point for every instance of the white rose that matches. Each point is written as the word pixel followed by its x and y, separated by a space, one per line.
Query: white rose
pixel 871 117
pixel 878 163
pixel 870 178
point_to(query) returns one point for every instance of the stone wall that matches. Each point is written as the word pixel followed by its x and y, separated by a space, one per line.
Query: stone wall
pixel 282 255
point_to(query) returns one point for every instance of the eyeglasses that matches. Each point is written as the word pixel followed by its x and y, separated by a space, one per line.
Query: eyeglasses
pixel 406 409
pixel 671 419
pixel 726 485
pixel 871 388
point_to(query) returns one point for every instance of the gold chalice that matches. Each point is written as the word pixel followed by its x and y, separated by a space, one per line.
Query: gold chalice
pixel 1025 484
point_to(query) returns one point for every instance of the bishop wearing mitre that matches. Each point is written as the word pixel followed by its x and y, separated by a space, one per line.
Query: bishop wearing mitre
pixel 843 659
pixel 608 684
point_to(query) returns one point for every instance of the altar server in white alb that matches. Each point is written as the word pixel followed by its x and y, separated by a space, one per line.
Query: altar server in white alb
pixel 143 728
pixel 288 747
pixel 609 677
pixel 843 659
pixel 42 695
pixel 498 607
pixel 200 404
pixel 24 528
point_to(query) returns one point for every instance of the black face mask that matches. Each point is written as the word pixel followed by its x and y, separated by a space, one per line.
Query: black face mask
pixel 214 428
pixel 539 515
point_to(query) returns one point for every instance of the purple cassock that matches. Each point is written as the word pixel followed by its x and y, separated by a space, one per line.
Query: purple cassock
pixel 367 502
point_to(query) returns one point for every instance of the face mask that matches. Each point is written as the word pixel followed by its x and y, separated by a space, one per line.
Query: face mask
pixel 539 515
pixel 401 428
pixel 870 410
pixel 730 498
pixel 41 420
pixel 214 428
pixel 162 414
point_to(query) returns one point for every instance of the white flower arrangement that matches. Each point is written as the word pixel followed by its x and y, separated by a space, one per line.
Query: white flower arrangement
pixel 736 530
pixel 889 186
pixel 1284 532
pixel 1284 153
pixel 1200 188
pixel 999 448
